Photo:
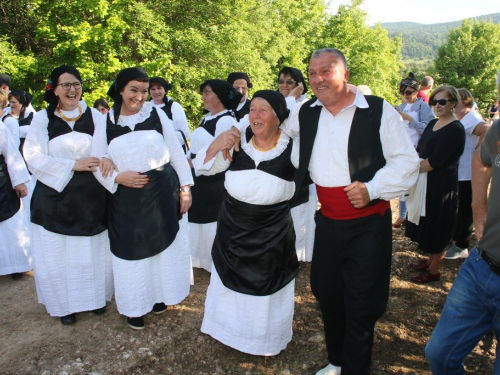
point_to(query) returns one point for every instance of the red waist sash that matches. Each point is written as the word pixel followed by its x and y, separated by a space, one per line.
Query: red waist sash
pixel 336 205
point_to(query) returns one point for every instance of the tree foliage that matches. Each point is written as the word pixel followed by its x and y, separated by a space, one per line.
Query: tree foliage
pixel 470 59
pixel 187 41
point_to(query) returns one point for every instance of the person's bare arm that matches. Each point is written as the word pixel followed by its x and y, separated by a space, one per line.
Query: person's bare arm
pixel 481 176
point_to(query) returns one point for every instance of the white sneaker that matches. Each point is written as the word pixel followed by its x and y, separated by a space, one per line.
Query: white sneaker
pixel 329 370
pixel 456 252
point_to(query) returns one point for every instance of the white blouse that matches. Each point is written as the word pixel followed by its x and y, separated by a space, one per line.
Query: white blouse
pixel 52 161
pixel 252 186
pixel 140 151
pixel 9 148
pixel 179 119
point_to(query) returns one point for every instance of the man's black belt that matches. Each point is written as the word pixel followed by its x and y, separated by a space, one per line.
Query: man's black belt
pixel 494 265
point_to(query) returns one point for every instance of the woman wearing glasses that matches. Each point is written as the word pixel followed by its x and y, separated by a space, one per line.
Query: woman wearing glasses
pixel 416 113
pixel 292 86
pixel 69 239
pixel 440 147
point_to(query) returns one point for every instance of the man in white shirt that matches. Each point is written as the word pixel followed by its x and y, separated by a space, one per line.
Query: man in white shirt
pixel 356 150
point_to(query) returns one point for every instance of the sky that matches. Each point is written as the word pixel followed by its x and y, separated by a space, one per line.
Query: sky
pixel 423 11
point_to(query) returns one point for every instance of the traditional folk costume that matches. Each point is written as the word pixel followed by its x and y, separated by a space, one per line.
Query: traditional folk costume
pixel 15 256
pixel 69 239
pixel 250 299
pixel 149 239
pixel 174 112
pixel 208 191
pixel 350 270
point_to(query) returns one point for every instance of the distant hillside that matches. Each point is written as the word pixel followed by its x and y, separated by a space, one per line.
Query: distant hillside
pixel 421 42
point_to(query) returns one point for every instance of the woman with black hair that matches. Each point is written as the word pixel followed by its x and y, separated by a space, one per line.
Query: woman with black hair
pixel 20 116
pixel 220 99
pixel 292 86
pixel 158 89
pixel 15 258
pixel 69 238
pixel 150 188
pixel 101 105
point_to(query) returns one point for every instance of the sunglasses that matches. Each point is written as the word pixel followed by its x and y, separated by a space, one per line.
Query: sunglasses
pixel 433 102
pixel 408 92
pixel 288 82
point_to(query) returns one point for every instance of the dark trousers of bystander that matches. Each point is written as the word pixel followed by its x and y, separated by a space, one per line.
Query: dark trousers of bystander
pixel 350 275
pixel 463 227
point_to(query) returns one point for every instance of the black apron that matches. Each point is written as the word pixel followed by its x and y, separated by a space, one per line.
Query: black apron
pixel 144 222
pixel 9 201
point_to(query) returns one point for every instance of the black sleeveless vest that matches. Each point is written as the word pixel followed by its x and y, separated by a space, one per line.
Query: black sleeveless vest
pixel 365 152
pixel 151 123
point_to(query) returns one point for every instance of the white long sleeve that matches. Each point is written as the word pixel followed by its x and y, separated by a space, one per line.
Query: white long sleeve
pixel 15 164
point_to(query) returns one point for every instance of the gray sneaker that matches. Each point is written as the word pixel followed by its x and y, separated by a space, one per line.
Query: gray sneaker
pixel 456 252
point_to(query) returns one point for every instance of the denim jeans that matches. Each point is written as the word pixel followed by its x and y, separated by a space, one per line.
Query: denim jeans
pixel 402 209
pixel 471 309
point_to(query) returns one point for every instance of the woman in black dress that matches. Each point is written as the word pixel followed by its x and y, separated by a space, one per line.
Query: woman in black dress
pixel 440 147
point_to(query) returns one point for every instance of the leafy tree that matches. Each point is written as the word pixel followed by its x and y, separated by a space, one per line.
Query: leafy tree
pixel 372 57
pixel 470 59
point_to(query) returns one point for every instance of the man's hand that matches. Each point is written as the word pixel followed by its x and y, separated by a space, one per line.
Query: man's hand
pixel 358 194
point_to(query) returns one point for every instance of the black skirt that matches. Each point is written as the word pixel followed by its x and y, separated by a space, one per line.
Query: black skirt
pixel 144 222
pixel 78 210
pixel 9 201
pixel 254 248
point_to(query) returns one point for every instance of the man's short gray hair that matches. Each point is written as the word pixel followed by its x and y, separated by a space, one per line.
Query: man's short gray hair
pixel 332 51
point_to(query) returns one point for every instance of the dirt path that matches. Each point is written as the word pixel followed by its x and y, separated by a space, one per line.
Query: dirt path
pixel 34 343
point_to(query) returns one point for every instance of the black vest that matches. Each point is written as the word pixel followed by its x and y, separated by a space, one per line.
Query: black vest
pixel 151 123
pixel 281 166
pixel 244 110
pixel 365 152
pixel 167 108
pixel 85 124
pixel 27 120
pixel 211 125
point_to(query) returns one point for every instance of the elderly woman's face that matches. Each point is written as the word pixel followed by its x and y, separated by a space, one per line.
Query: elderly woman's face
pixel 134 95
pixel 157 93
pixel 263 120
pixel 68 95
pixel 242 86
pixel 209 98
pixel 441 104
pixel 409 94
pixel 286 84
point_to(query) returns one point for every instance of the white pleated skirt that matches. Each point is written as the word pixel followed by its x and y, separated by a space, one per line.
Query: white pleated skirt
pixel 251 324
pixel 15 253
pixel 304 225
pixel 165 277
pixel 72 273
pixel 202 240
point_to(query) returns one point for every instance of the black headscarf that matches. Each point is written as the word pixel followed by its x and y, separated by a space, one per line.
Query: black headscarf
pixel 125 76
pixel 295 74
pixel 24 98
pixel 49 95
pixel 167 86
pixel 276 101
pixel 227 94
pixel 239 75
pixel 409 81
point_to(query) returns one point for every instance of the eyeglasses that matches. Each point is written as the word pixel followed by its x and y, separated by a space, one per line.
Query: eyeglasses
pixel 408 92
pixel 433 102
pixel 288 82
pixel 67 85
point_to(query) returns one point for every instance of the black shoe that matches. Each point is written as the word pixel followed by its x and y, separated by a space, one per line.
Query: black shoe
pixel 17 275
pixel 159 308
pixel 100 311
pixel 68 319
pixel 136 323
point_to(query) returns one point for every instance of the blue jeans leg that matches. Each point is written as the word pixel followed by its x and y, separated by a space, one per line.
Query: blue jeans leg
pixel 471 309
pixel 402 209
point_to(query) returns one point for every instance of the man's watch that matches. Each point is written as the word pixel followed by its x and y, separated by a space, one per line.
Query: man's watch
pixel 185 189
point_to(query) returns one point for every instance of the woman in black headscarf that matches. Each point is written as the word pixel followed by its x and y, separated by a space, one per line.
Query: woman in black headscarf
pixel 241 82
pixel 250 298
pixel 220 99
pixel 150 192
pixel 292 86
pixel 19 118
pixel 158 89
pixel 69 239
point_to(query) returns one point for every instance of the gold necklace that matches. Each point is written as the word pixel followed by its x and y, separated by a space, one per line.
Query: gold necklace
pixel 270 148
pixel 67 118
